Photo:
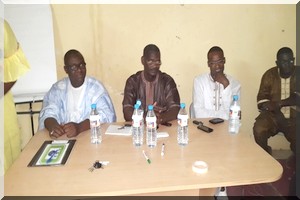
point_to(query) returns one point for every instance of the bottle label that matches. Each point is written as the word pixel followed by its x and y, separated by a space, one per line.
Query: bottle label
pixel 182 120
pixel 234 114
pixel 137 120
pixel 151 122
pixel 94 120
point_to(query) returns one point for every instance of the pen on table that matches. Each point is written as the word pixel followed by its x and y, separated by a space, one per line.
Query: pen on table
pixel 148 160
pixel 162 153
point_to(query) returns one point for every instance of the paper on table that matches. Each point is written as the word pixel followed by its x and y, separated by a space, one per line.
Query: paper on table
pixel 162 134
pixel 115 130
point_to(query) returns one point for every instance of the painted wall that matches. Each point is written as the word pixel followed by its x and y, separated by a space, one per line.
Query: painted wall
pixel 112 38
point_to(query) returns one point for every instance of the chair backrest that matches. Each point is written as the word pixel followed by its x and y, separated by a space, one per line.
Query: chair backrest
pixel 191 111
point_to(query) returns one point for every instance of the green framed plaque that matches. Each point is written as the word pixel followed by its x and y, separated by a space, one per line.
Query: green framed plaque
pixel 52 153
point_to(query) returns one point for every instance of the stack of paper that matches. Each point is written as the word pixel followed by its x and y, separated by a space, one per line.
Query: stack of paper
pixel 118 130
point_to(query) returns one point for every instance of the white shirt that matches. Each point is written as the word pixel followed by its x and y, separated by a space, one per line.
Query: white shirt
pixel 285 93
pixel 57 99
pixel 210 99
pixel 74 104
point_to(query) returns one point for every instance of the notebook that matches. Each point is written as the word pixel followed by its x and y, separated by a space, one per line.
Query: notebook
pixel 118 130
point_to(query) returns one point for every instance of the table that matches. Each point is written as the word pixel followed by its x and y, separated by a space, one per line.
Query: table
pixel 232 160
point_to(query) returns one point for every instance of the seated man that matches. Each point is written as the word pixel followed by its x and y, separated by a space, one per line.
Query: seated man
pixel 276 95
pixel 152 86
pixel 213 92
pixel 67 105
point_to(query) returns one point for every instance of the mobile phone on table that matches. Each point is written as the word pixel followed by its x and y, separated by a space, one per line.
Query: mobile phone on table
pixel 205 128
pixel 216 120
pixel 197 122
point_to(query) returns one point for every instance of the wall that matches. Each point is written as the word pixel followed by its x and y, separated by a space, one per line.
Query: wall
pixel 25 121
pixel 33 27
pixel 112 37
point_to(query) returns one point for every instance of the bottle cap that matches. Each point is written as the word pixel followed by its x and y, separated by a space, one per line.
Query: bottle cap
pixel 182 105
pixel 150 107
pixel 93 106
pixel 138 102
pixel 235 97
pixel 136 106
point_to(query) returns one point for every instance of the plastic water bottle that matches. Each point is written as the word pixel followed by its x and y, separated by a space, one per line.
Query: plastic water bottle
pixel 182 130
pixel 141 113
pixel 151 127
pixel 234 116
pixel 139 103
pixel 137 127
pixel 96 137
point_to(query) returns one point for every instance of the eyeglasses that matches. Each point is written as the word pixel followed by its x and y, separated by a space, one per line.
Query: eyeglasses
pixel 285 62
pixel 151 61
pixel 222 61
pixel 75 67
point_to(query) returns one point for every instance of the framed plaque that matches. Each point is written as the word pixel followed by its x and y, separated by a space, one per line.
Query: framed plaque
pixel 52 153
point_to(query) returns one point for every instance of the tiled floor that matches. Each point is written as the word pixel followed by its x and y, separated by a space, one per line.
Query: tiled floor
pixel 281 154
pixel 280 188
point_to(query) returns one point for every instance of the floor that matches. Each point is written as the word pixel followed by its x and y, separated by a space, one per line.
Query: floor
pixel 280 188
